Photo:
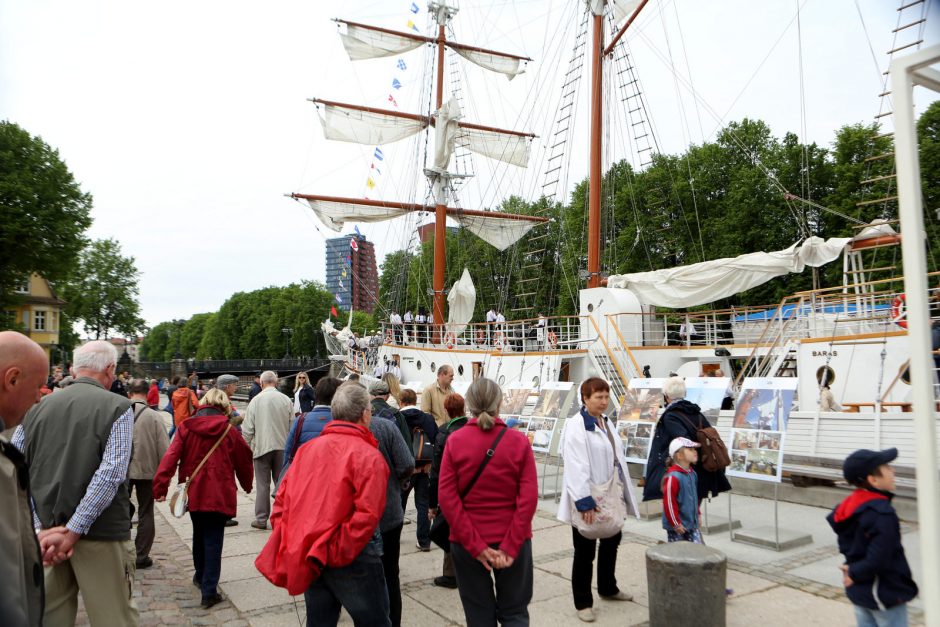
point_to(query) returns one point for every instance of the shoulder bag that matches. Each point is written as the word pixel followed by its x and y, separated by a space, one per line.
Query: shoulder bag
pixel 611 508
pixel 179 502
pixel 440 528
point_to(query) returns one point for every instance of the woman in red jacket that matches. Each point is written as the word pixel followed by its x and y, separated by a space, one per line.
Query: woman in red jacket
pixel 491 517
pixel 212 491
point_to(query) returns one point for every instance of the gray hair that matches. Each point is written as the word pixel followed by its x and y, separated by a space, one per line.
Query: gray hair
pixel 483 399
pixel 138 386
pixel 674 388
pixel 269 377
pixel 96 356
pixel 444 369
pixel 350 400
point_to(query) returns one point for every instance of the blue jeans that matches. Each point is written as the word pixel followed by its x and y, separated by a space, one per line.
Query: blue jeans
pixel 894 617
pixel 420 483
pixel 208 534
pixel 359 587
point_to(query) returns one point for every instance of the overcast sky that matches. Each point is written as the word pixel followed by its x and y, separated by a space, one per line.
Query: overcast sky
pixel 188 121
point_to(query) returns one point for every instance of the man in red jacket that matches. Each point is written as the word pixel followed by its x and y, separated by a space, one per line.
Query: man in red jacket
pixel 326 542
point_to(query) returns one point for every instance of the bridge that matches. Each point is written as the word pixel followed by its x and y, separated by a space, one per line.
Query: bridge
pixel 211 368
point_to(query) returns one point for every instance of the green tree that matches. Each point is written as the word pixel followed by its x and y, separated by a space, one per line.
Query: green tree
pixel 928 133
pixel 103 291
pixel 45 213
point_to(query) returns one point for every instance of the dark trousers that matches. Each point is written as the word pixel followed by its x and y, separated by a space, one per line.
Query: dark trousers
pixel 359 587
pixel 509 605
pixel 145 528
pixel 420 483
pixel 208 534
pixel 583 567
pixel 391 551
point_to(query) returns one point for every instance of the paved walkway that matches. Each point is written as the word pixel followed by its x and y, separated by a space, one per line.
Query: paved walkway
pixel 799 586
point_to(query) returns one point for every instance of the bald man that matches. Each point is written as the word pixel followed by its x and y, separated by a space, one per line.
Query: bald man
pixel 23 369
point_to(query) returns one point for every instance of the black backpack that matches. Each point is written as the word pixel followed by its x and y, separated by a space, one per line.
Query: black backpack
pixel 421 446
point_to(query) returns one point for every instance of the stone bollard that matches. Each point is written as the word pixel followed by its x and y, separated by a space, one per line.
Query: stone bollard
pixel 686 584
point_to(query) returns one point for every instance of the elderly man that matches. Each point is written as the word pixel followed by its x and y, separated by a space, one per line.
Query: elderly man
pixel 150 443
pixel 22 373
pixel 326 542
pixel 432 398
pixel 267 421
pixel 78 447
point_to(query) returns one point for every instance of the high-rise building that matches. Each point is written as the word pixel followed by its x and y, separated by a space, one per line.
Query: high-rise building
pixel 351 273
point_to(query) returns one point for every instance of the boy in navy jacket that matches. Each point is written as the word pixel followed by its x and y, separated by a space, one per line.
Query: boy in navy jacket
pixel 876 575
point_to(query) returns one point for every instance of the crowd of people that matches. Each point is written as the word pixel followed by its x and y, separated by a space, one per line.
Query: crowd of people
pixel 340 461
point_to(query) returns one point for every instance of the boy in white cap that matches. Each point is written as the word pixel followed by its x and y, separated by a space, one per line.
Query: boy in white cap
pixel 680 493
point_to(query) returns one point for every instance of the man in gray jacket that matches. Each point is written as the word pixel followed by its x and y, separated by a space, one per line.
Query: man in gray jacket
pixel 267 421
pixel 23 367
pixel 150 443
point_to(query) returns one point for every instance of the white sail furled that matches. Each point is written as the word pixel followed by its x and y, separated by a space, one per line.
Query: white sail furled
pixel 366 127
pixel 367 43
pixel 510 66
pixel 505 147
pixel 708 281
pixel 335 214
pixel 622 9
pixel 460 304
pixel 446 129
pixel 498 232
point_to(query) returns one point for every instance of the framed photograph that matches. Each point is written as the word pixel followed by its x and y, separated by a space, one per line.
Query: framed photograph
pixel 643 400
pixel 638 450
pixel 708 393
pixel 765 404
pixel 540 431
pixel 738 461
pixel 514 400
pixel 756 454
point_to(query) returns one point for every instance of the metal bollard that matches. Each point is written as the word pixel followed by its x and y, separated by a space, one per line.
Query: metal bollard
pixel 686 584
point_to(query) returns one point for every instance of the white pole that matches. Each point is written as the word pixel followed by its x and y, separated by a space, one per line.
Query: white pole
pixel 910 213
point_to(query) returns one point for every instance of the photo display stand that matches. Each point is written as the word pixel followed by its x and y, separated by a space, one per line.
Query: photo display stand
pixel 636 423
pixel 709 393
pixel 756 446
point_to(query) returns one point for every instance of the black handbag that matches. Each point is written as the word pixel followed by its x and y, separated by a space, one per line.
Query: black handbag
pixel 440 528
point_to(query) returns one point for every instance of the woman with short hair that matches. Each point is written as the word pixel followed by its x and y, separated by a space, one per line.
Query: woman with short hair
pixel 212 494
pixel 592 452
pixel 489 492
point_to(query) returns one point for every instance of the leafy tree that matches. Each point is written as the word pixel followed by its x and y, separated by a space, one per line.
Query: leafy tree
pixel 45 213
pixel 928 132
pixel 103 292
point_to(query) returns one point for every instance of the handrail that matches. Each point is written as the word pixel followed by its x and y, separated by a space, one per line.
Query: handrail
pixel 636 366
pixel 613 360
pixel 750 358
pixel 866 283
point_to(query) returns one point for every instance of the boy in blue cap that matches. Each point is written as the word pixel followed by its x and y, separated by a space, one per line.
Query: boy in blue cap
pixel 876 574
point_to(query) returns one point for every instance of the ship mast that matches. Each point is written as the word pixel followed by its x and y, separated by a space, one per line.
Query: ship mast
pixel 598 52
pixel 442 14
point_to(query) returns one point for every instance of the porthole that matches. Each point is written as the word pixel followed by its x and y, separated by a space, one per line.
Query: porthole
pixel 501 380
pixel 906 375
pixel 460 370
pixel 418 365
pixel 590 307
pixel 828 373
pixel 433 367
pixel 535 382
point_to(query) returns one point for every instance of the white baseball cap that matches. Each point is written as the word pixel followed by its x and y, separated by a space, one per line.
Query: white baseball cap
pixel 678 443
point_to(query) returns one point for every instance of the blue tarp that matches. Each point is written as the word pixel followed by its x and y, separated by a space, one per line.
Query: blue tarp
pixel 790 311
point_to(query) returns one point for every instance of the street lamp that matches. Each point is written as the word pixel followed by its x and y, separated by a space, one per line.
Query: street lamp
pixel 179 338
pixel 287 331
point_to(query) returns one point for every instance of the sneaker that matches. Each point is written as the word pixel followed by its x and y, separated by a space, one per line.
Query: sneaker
pixel 620 596
pixel 144 563
pixel 258 525
pixel 423 549
pixel 446 582
pixel 215 599
pixel 586 615
pixel 231 522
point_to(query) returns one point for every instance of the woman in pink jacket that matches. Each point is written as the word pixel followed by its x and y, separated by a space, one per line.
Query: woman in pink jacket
pixel 490 506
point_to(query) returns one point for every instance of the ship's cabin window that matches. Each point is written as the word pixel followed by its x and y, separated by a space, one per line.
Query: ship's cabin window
pixel 502 380
pixel 433 367
pixel 460 370
pixel 535 382
pixel 828 373
pixel 418 365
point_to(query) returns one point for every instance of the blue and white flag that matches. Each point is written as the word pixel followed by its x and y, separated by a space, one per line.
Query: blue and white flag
pixel 414 8
pixel 396 83
pixel 356 227
pixel 401 64
pixel 378 154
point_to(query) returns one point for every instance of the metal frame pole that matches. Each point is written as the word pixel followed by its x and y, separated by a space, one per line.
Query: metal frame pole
pixel 905 73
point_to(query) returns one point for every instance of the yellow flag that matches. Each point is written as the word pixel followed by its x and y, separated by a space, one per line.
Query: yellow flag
pixel 370 183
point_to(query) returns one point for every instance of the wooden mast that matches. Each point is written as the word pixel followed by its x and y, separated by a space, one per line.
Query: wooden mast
pixel 594 190
pixel 440 211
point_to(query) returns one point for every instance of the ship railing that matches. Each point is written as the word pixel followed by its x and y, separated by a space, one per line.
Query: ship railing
pixel 548 334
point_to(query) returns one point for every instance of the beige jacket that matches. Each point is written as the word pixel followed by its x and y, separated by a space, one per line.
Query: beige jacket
pixel 267 421
pixel 432 401
pixel 21 573
pixel 150 443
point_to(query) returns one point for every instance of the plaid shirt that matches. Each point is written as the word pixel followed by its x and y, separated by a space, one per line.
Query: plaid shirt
pixel 111 473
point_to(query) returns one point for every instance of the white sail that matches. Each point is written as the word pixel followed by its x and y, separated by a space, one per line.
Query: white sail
pixel 366 43
pixel 366 127
pixel 460 304
pixel 708 281
pixel 505 147
pixel 335 214
pixel 509 66
pixel 498 232
pixel 446 129
pixel 622 9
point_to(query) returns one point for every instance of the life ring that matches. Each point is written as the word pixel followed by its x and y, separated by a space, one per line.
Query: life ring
pixel 552 340
pixel 481 337
pixel 899 310
pixel 389 338
pixel 498 344
pixel 449 340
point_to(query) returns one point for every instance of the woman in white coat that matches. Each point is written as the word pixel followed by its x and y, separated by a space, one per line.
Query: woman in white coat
pixel 592 452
